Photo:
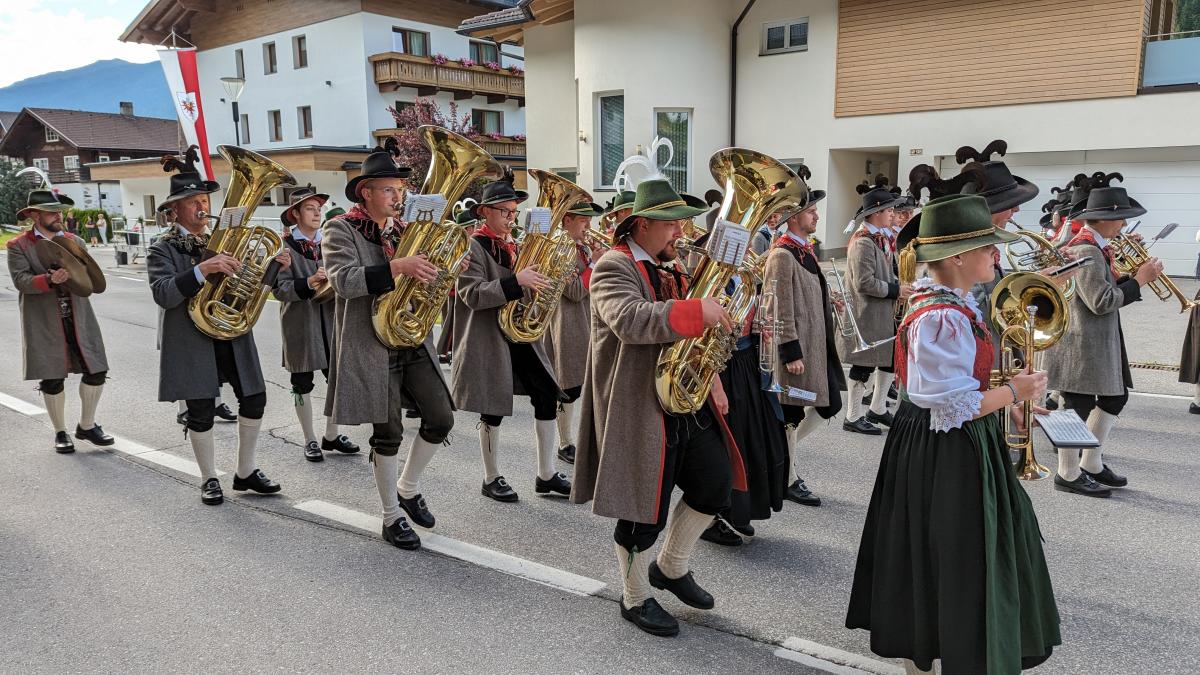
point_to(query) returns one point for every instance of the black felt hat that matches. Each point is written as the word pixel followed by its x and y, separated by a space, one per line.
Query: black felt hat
pixel 381 163
pixel 186 182
pixel 498 192
pixel 875 198
pixel 1108 202
pixel 1000 187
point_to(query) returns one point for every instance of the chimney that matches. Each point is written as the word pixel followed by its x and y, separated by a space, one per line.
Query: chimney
pixel 127 108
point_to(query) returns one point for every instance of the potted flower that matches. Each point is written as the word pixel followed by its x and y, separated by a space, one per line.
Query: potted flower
pixel 516 70
pixel 492 65
pixel 467 62
pixel 440 59
pixel 519 138
pixel 495 136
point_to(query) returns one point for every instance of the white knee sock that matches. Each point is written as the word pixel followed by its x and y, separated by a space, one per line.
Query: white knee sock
pixel 89 398
pixel 1068 463
pixel 854 401
pixel 386 469
pixel 182 406
pixel 546 433
pixel 635 576
pixel 56 409
pixel 489 447
pixel 247 460
pixel 683 531
pixel 883 383
pixel 808 425
pixel 419 456
pixel 331 429
pixel 206 454
pixel 1100 424
pixel 566 424
pixel 793 440
pixel 304 413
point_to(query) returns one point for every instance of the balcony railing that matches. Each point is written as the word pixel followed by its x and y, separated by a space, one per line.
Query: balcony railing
pixel 394 70
pixel 1172 59
pixel 505 146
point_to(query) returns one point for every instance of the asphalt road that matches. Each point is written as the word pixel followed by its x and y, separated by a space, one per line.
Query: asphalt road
pixel 109 562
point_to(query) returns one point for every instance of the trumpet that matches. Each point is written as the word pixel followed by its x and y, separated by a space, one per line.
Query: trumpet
pixel 847 324
pixel 1129 255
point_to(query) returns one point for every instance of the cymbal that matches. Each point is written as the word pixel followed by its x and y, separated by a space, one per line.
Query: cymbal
pixel 54 256
pixel 99 282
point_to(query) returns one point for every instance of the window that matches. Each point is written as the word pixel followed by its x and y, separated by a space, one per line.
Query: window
pixel 245 128
pixel 793 164
pixel 275 125
pixel 401 106
pixel 676 126
pixel 304 121
pixel 299 52
pixel 42 163
pixel 239 63
pixel 412 42
pixel 482 52
pixel 125 157
pixel 611 132
pixel 487 121
pixel 51 135
pixel 269 64
pixel 571 173
pixel 784 36
pixel 71 162
pixel 103 158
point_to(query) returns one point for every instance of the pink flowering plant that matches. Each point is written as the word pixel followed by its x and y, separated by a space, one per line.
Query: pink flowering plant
pixel 518 137
pixel 440 59
pixel 516 70
pixel 413 151
pixel 492 65
pixel 467 62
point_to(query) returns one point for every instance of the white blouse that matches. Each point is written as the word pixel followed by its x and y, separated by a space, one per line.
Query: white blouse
pixel 941 362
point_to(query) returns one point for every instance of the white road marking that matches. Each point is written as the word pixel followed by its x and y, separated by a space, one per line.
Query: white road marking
pixel 502 562
pixel 833 660
pixel 20 406
pixel 129 278
pixel 1153 395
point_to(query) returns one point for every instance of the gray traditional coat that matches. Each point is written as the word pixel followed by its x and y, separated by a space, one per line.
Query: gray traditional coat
pixel 873 290
pixel 805 321
pixel 358 372
pixel 1189 361
pixel 43 344
pixel 1090 358
pixel 621 446
pixel 306 327
pixel 566 341
pixel 187 359
pixel 481 378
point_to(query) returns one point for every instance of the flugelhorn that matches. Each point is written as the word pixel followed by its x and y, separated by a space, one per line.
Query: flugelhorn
pixel 1129 255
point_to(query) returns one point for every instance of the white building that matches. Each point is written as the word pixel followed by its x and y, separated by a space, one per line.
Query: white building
pixel 857 87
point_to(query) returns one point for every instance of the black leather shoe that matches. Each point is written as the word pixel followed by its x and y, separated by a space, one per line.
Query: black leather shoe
pixel 62 443
pixel 1194 409
pixel 312 452
pixel 223 412
pixel 1106 477
pixel 721 534
pixel 417 510
pixel 400 534
pixel 342 444
pixel 885 419
pixel 499 490
pixel 567 454
pixel 746 530
pixel 798 492
pixel 210 492
pixel 893 392
pixel 256 481
pixel 557 483
pixel 862 426
pixel 1084 485
pixel 412 414
pixel 652 618
pixel 182 419
pixel 1051 403
pixel 685 588
pixel 95 435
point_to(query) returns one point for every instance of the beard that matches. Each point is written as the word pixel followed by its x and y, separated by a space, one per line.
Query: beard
pixel 668 254
pixel 52 225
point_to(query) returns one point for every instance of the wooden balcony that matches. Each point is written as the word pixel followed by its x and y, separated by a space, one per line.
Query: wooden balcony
pixel 394 70
pixel 505 147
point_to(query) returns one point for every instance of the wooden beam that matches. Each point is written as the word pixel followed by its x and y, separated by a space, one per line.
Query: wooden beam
pixel 425 91
pixel 494 99
pixel 209 6
pixel 565 15
pixel 463 95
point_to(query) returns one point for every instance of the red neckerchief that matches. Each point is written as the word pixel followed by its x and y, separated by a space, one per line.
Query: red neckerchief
pixel 798 250
pixel 1086 236
pixel 585 254
pixel 501 241
pixel 880 240
pixel 672 282
pixel 362 221
pixel 308 248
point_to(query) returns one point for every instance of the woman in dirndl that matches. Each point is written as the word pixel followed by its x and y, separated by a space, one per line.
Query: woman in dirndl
pixel 950 565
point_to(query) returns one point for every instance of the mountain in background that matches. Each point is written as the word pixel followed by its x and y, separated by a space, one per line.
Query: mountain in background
pixel 98 87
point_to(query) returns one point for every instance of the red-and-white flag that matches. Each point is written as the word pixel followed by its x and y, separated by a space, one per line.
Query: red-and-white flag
pixel 179 65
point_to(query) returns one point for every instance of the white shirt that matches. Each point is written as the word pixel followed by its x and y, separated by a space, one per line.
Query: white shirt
pixel 1099 237
pixel 639 253
pixel 298 235
pixel 38 233
pixel 941 362
pixel 797 238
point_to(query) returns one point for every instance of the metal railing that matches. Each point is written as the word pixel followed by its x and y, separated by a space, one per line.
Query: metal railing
pixel 396 69
pixel 1171 59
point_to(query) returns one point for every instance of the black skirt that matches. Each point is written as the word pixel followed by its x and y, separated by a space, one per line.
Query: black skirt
pixel 757 427
pixel 950 565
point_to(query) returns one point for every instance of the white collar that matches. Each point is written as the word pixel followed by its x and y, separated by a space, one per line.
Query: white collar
pixel 1099 237
pixel 796 238
pixel 298 235
pixel 870 228
pixel 639 253
pixel 38 233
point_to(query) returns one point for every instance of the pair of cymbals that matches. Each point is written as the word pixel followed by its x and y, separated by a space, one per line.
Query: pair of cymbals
pixel 84 275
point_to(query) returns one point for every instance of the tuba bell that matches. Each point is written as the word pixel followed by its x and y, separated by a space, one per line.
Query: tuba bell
pixel 404 316
pixel 228 307
pixel 755 186
pixel 528 317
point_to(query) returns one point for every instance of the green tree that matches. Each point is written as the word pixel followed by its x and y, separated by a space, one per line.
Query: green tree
pixel 13 192
pixel 1187 15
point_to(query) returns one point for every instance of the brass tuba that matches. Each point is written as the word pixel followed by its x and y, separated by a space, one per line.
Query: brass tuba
pixel 755 186
pixel 1033 252
pixel 404 316
pixel 228 307
pixel 1032 314
pixel 526 319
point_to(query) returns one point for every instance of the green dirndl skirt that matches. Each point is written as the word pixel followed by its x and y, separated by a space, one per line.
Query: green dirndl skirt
pixel 950 565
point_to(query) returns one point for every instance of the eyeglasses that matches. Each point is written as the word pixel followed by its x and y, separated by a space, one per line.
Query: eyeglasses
pixel 505 212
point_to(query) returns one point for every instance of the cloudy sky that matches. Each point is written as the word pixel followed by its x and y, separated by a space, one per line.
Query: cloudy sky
pixel 42 36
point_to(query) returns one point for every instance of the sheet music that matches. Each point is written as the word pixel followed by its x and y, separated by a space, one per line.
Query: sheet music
pixel 425 208
pixel 537 220
pixel 231 216
pixel 1064 429
pixel 727 242
pixel 802 394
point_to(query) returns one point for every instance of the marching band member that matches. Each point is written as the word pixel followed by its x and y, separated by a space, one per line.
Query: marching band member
pixel 767 234
pixel 874 289
pixel 808 357
pixel 59 331
pixel 631 455
pixel 950 564
pixel 357 248
pixel 487 369
pixel 1089 365
pixel 192 365
pixel 445 345
pixel 306 325
pixel 566 340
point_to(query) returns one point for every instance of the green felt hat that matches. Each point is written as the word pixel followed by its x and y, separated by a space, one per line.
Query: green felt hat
pixel 623 200
pixel 948 226
pixel 657 200
pixel 589 209
pixel 465 217
pixel 44 200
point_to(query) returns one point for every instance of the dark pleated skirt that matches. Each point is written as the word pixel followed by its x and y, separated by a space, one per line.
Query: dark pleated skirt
pixel 1189 361
pixel 950 565
pixel 758 430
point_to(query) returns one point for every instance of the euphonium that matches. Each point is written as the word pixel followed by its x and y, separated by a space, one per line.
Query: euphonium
pixel 1032 314
pixel 755 186
pixel 526 319
pixel 404 316
pixel 1129 254
pixel 227 307
pixel 1032 252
